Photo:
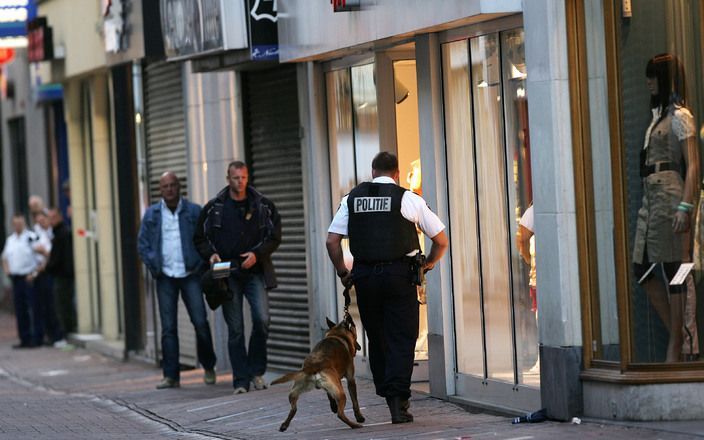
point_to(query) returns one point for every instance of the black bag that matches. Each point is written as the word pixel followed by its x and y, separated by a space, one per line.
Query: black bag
pixel 215 290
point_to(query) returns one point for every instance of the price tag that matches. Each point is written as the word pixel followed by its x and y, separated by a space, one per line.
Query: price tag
pixel 681 275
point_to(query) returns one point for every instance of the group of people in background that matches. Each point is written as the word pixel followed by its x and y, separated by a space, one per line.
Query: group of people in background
pixel 39 263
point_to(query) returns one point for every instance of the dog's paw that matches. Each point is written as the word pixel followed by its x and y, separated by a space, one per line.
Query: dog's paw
pixel 359 418
pixel 283 427
pixel 355 425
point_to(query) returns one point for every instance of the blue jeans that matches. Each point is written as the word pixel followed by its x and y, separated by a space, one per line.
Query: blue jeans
pixel 251 362
pixel 30 327
pixel 167 289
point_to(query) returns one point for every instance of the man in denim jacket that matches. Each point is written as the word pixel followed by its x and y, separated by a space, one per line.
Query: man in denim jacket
pixel 166 246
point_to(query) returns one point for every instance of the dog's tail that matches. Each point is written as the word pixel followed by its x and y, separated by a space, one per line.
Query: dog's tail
pixel 294 375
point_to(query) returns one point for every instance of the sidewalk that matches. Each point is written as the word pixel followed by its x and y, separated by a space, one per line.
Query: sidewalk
pixel 49 393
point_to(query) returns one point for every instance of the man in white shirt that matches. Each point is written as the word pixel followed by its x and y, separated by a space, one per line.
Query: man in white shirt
pixel 380 219
pixel 165 244
pixel 19 262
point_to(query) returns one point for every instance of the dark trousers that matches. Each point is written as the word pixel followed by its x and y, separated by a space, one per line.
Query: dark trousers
pixel 388 306
pixel 29 325
pixel 167 289
pixel 65 302
pixel 251 361
pixel 43 285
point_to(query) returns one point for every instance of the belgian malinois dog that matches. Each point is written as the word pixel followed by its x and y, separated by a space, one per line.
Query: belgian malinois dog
pixel 331 360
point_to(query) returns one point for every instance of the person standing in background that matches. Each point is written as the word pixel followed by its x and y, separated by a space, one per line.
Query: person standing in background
pixel 60 267
pixel 19 262
pixel 43 282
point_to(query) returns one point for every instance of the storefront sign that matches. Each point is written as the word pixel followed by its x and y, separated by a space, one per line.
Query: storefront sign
pixel 345 5
pixel 196 27
pixel 263 29
pixel 40 40
pixel 13 22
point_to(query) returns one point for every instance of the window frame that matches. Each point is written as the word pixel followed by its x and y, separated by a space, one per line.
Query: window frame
pixel 625 370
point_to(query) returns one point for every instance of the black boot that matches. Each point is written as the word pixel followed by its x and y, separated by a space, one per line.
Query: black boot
pixel 398 407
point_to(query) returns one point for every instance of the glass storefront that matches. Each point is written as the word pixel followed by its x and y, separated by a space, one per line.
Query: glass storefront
pixel 353 133
pixel 354 136
pixel 645 117
pixel 488 159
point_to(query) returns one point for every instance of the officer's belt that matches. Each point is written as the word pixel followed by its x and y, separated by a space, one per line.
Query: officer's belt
pixel 403 259
pixel 647 170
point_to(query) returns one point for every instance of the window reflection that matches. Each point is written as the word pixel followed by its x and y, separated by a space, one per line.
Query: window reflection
pixel 520 202
pixel 490 193
pixel 606 341
pixel 463 214
pixel 353 133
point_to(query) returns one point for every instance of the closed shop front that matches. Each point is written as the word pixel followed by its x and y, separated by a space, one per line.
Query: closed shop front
pixel 166 150
pixel 273 149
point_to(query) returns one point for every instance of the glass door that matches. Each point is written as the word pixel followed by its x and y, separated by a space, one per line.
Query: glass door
pixel 493 265
pixel 353 130
pixel 367 102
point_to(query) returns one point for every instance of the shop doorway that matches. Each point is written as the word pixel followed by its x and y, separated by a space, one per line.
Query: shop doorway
pixel 373 107
pixel 490 193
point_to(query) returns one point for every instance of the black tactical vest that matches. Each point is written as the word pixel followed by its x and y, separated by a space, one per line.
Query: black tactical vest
pixel 376 229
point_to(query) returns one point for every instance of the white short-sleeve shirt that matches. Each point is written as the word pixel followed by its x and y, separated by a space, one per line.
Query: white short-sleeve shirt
pixel 413 209
pixel 19 253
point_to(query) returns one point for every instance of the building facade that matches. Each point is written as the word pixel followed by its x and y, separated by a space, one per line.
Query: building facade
pixel 502 106
pixel 496 109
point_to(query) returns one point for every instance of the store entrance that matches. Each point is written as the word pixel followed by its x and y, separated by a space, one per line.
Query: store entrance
pixel 373 107
pixel 408 151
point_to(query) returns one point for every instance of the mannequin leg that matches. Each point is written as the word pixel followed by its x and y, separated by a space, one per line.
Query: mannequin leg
pixel 657 294
pixel 674 346
pixel 671 313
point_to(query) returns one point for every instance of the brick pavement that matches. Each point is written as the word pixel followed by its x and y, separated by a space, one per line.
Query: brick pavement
pixel 49 393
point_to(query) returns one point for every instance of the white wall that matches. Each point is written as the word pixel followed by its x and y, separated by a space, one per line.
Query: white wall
pixel 17 73
pixel 553 174
pixel 214 130
pixel 77 28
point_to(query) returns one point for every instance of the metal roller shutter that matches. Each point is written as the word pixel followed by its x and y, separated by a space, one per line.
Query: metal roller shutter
pixel 165 130
pixel 274 153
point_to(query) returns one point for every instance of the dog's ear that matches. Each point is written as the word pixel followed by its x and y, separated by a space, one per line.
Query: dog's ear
pixel 356 345
pixel 330 323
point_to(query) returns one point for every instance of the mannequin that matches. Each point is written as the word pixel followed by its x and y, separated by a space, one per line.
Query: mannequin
pixel 670 174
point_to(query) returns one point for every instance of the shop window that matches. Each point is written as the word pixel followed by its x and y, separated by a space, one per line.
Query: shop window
pixel 490 197
pixel 643 206
pixel 353 130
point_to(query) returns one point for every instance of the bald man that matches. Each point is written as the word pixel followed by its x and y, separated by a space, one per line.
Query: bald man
pixel 165 244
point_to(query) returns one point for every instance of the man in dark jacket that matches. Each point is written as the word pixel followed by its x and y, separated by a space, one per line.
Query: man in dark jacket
pixel 165 244
pixel 60 267
pixel 242 226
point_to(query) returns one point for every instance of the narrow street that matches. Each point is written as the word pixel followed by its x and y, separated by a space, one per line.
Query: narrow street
pixel 53 394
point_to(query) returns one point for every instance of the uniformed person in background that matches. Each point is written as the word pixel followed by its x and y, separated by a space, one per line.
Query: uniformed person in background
pixel 380 219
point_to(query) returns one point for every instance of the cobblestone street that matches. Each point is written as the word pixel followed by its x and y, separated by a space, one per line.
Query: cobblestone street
pixel 52 394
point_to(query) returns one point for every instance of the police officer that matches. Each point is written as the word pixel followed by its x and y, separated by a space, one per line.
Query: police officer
pixel 380 219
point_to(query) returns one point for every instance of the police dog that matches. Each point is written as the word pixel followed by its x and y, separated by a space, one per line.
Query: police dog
pixel 331 360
